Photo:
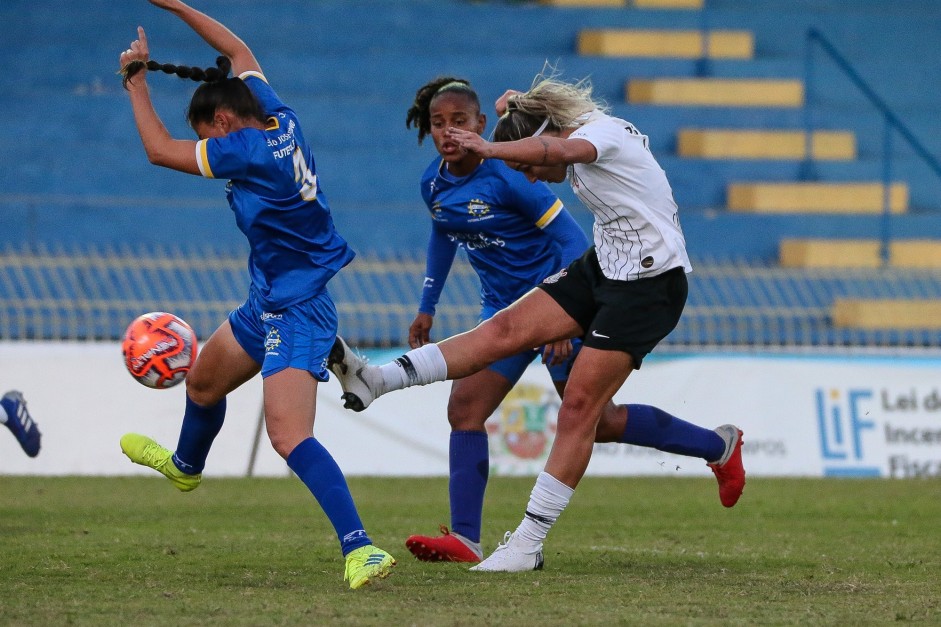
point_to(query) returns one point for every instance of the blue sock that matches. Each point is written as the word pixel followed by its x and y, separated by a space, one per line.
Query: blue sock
pixel 315 466
pixel 200 427
pixel 654 428
pixel 470 467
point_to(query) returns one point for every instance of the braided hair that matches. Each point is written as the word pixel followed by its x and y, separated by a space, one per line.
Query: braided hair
pixel 419 114
pixel 218 90
pixel 209 75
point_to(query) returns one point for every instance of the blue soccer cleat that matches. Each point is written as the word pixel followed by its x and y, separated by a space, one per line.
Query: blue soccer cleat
pixel 20 422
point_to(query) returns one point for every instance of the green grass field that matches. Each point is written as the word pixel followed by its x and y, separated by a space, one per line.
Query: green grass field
pixel 650 551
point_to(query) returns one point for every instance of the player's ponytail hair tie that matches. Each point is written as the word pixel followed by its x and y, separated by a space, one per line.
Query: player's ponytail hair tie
pixel 207 75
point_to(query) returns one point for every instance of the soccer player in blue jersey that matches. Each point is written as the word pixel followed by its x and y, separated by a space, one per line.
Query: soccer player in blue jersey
pixel 515 234
pixel 622 297
pixel 288 323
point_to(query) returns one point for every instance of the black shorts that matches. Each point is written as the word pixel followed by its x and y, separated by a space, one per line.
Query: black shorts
pixel 627 316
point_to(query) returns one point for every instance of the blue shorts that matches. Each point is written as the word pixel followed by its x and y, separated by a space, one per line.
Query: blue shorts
pixel 513 367
pixel 299 336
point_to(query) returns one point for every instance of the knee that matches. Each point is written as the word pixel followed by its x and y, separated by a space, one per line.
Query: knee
pixel 200 389
pixel 612 423
pixel 282 443
pixel 463 415
pixel 578 416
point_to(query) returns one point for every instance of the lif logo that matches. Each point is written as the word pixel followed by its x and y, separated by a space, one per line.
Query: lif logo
pixel 844 424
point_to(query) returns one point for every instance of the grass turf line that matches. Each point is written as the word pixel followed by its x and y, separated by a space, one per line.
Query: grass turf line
pixel 652 551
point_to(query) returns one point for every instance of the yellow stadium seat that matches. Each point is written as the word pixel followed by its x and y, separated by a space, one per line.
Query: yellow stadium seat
pixel 584 3
pixel 915 253
pixel 873 314
pixel 858 253
pixel 829 253
pixel 815 197
pixel 638 4
pixel 716 92
pixel 680 44
pixel 759 144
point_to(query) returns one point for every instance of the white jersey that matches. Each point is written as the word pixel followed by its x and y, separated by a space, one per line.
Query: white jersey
pixel 636 230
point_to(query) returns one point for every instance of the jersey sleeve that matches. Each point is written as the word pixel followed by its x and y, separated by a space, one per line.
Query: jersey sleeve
pixel 225 157
pixel 534 200
pixel 263 91
pixel 441 252
pixel 607 138
pixel 570 237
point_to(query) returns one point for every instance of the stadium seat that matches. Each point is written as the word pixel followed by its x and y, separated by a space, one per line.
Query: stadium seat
pixel 639 4
pixel 584 3
pixel 815 197
pixel 886 314
pixel 858 253
pixel 916 253
pixel 682 44
pixel 830 253
pixel 764 144
pixel 716 92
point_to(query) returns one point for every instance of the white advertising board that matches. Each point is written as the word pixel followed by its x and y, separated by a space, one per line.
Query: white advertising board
pixel 801 416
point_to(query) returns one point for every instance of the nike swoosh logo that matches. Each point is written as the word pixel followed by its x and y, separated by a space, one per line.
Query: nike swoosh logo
pixel 596 334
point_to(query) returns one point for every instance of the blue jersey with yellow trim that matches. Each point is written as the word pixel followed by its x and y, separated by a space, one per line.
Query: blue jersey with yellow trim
pixel 278 203
pixel 496 215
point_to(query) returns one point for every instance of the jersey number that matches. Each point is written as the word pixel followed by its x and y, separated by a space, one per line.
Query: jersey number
pixel 304 177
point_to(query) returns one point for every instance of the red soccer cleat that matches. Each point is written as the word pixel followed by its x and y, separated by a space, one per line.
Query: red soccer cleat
pixel 447 547
pixel 729 471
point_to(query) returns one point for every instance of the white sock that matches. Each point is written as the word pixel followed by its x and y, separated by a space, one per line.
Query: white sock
pixel 420 366
pixel 546 502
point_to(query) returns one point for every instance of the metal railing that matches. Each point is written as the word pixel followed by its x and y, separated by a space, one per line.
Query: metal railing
pixel 88 293
pixel 817 39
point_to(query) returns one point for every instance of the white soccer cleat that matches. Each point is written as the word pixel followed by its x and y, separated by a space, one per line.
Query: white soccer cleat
pixel 510 557
pixel 359 380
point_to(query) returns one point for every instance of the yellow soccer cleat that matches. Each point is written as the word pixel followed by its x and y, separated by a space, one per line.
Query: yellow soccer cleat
pixel 146 452
pixel 365 564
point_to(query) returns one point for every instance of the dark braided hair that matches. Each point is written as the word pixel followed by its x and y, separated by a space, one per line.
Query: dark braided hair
pixel 208 75
pixel 218 90
pixel 419 114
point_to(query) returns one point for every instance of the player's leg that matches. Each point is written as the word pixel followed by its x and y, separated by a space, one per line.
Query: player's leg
pixel 533 320
pixel 596 375
pixel 473 399
pixel 298 341
pixel 648 426
pixel 221 366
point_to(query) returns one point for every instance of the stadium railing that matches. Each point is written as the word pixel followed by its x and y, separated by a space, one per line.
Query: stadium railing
pixel 91 293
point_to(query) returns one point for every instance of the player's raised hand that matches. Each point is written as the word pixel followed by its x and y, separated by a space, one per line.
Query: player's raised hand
pixel 504 100
pixel 138 50
pixel 133 60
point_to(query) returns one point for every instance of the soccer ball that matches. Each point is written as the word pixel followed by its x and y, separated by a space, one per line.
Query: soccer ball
pixel 159 349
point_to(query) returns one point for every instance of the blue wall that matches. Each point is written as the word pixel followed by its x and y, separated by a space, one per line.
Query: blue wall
pixel 72 169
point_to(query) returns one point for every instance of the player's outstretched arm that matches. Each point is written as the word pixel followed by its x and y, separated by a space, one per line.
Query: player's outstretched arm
pixel 160 147
pixel 215 34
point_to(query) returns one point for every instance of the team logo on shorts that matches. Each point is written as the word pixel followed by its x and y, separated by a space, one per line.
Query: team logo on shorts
pixel 555 277
pixel 272 342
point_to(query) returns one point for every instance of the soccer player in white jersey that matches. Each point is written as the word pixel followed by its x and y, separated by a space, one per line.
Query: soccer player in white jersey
pixel 286 327
pixel 622 297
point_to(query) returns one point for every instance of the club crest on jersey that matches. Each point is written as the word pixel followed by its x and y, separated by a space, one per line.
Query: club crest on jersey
pixel 478 208
pixel 555 277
